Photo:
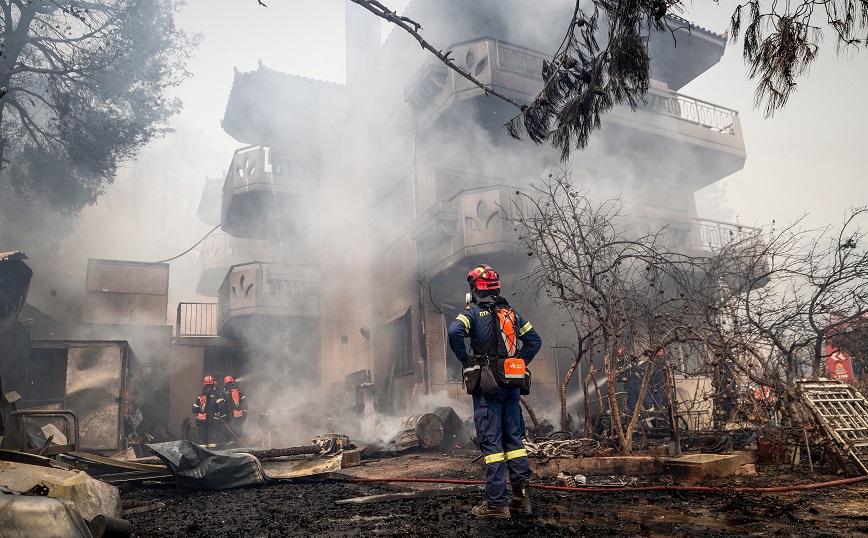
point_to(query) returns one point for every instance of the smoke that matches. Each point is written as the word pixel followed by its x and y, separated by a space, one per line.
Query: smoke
pixel 350 216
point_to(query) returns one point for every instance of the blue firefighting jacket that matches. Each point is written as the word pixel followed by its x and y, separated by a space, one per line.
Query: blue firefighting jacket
pixel 478 322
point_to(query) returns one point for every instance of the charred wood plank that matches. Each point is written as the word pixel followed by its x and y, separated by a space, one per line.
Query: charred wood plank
pixel 113 463
pixel 119 478
pixel 281 452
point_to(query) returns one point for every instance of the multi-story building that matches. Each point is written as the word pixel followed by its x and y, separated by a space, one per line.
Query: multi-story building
pixel 353 212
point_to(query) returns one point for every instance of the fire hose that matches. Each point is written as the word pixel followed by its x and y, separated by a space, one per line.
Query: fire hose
pixel 704 489
pixel 230 431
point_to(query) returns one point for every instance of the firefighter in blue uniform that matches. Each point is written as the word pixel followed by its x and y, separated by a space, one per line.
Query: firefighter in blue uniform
pixel 498 418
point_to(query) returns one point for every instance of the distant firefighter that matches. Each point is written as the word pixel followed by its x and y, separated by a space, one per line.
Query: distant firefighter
pixel 236 406
pixel 210 410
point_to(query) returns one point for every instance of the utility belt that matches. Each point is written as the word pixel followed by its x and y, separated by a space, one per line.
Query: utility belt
pixel 485 375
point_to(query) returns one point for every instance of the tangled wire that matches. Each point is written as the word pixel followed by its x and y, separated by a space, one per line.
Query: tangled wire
pixel 560 445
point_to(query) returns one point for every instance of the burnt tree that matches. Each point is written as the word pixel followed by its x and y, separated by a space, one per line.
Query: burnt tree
pixel 625 296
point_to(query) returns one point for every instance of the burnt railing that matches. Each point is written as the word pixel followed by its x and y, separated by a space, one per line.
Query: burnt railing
pixel 196 319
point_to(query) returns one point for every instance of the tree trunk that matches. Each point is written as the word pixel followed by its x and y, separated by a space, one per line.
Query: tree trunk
pixel 585 384
pixel 625 442
pixel 564 384
pixel 533 418
pixel 637 409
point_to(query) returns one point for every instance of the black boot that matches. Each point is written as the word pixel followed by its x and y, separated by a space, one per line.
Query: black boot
pixel 521 498
pixel 486 511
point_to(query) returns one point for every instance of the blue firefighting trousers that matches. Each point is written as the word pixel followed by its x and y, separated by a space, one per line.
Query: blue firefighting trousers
pixel 499 427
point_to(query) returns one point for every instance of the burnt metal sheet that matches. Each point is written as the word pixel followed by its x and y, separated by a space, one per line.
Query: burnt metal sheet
pixel 195 467
pixel 298 466
pixel 94 385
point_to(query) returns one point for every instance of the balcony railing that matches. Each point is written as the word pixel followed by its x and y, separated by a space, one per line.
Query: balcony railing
pixel 273 290
pixel 712 234
pixel 702 113
pixel 196 319
pixel 263 165
pixel 683 232
pixel 518 70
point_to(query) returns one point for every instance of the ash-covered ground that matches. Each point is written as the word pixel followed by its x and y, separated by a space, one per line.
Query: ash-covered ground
pixel 309 508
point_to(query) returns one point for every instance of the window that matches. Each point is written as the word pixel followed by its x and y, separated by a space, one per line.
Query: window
pixel 220 361
pixel 400 344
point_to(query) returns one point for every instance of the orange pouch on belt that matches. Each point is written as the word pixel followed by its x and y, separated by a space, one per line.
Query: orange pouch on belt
pixel 513 369
pixel 512 373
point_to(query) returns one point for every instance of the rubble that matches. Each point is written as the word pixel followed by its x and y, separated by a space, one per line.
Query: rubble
pixel 90 496
pixel 25 516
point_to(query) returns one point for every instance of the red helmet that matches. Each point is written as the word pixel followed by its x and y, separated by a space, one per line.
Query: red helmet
pixel 483 278
pixel 209 380
pixel 228 379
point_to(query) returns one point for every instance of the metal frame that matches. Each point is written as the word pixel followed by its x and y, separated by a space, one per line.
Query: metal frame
pixel 843 412
pixel 67 415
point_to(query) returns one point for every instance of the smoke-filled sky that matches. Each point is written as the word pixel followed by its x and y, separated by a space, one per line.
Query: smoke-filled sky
pixel 810 158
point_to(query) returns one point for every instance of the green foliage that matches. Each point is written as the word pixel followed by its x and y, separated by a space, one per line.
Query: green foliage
pixel 87 89
pixel 586 79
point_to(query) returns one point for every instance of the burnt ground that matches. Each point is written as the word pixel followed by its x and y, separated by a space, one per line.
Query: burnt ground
pixel 308 508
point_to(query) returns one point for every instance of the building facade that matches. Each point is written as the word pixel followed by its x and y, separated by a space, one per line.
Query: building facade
pixel 351 214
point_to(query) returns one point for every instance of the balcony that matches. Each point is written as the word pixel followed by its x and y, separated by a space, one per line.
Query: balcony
pixel 265 192
pixel 264 292
pixel 746 264
pixel 678 55
pixel 474 222
pixel 683 233
pixel 706 138
pixel 742 267
pixel 220 251
pixel 439 95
